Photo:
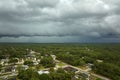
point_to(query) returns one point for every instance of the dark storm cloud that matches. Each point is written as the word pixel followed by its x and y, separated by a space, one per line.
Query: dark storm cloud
pixel 80 19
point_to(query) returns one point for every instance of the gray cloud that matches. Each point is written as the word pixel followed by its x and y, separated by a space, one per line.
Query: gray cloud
pixel 85 20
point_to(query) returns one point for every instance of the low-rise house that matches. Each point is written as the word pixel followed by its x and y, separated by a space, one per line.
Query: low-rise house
pixel 70 69
pixel 31 56
pixel 99 61
pixel 38 60
pixel 25 67
pixel 35 63
pixel 53 56
pixel 20 61
pixel 89 65
pixel 82 75
pixel 9 69
pixel 13 69
pixel 32 52
pixel 43 72
pixel 4 62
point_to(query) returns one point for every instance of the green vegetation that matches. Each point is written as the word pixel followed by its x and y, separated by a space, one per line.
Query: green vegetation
pixel 28 74
pixel 13 60
pixel 71 59
pixel 61 64
pixel 47 62
pixel 31 74
pixel 0 67
pixel 107 69
pixel 28 62
pixel 104 57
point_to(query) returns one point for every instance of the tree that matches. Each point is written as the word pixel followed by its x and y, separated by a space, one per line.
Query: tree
pixel 13 60
pixel 44 77
pixel 0 67
pixel 29 63
pixel 47 62
pixel 71 59
pixel 28 74
pixel 108 70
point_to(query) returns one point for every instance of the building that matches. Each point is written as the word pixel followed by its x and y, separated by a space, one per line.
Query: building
pixel 70 69
pixel 43 72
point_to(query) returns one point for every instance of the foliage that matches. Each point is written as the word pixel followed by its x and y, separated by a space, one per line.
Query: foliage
pixel 13 60
pixel 74 54
pixel 28 62
pixel 0 67
pixel 108 70
pixel 47 62
pixel 31 74
pixel 71 59
pixel 28 74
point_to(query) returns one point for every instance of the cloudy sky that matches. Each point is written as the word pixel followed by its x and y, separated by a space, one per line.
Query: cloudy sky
pixel 59 21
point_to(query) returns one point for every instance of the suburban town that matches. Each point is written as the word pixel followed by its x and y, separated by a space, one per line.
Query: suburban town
pixel 10 67
pixel 59 39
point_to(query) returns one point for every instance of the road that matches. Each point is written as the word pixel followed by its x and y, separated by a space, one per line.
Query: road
pixel 99 76
pixel 81 70
pixel 8 75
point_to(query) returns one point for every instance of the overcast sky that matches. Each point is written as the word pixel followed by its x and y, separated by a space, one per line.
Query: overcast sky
pixel 59 21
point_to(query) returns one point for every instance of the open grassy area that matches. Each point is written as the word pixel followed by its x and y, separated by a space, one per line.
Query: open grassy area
pixel 61 64
pixel 94 78
pixel 83 67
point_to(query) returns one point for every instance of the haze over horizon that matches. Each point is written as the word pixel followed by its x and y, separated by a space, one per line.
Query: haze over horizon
pixel 59 21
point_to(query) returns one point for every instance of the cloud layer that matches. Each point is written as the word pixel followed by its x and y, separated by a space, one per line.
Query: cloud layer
pixel 51 20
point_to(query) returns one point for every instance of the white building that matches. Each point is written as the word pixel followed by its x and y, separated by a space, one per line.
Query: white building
pixel 43 72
